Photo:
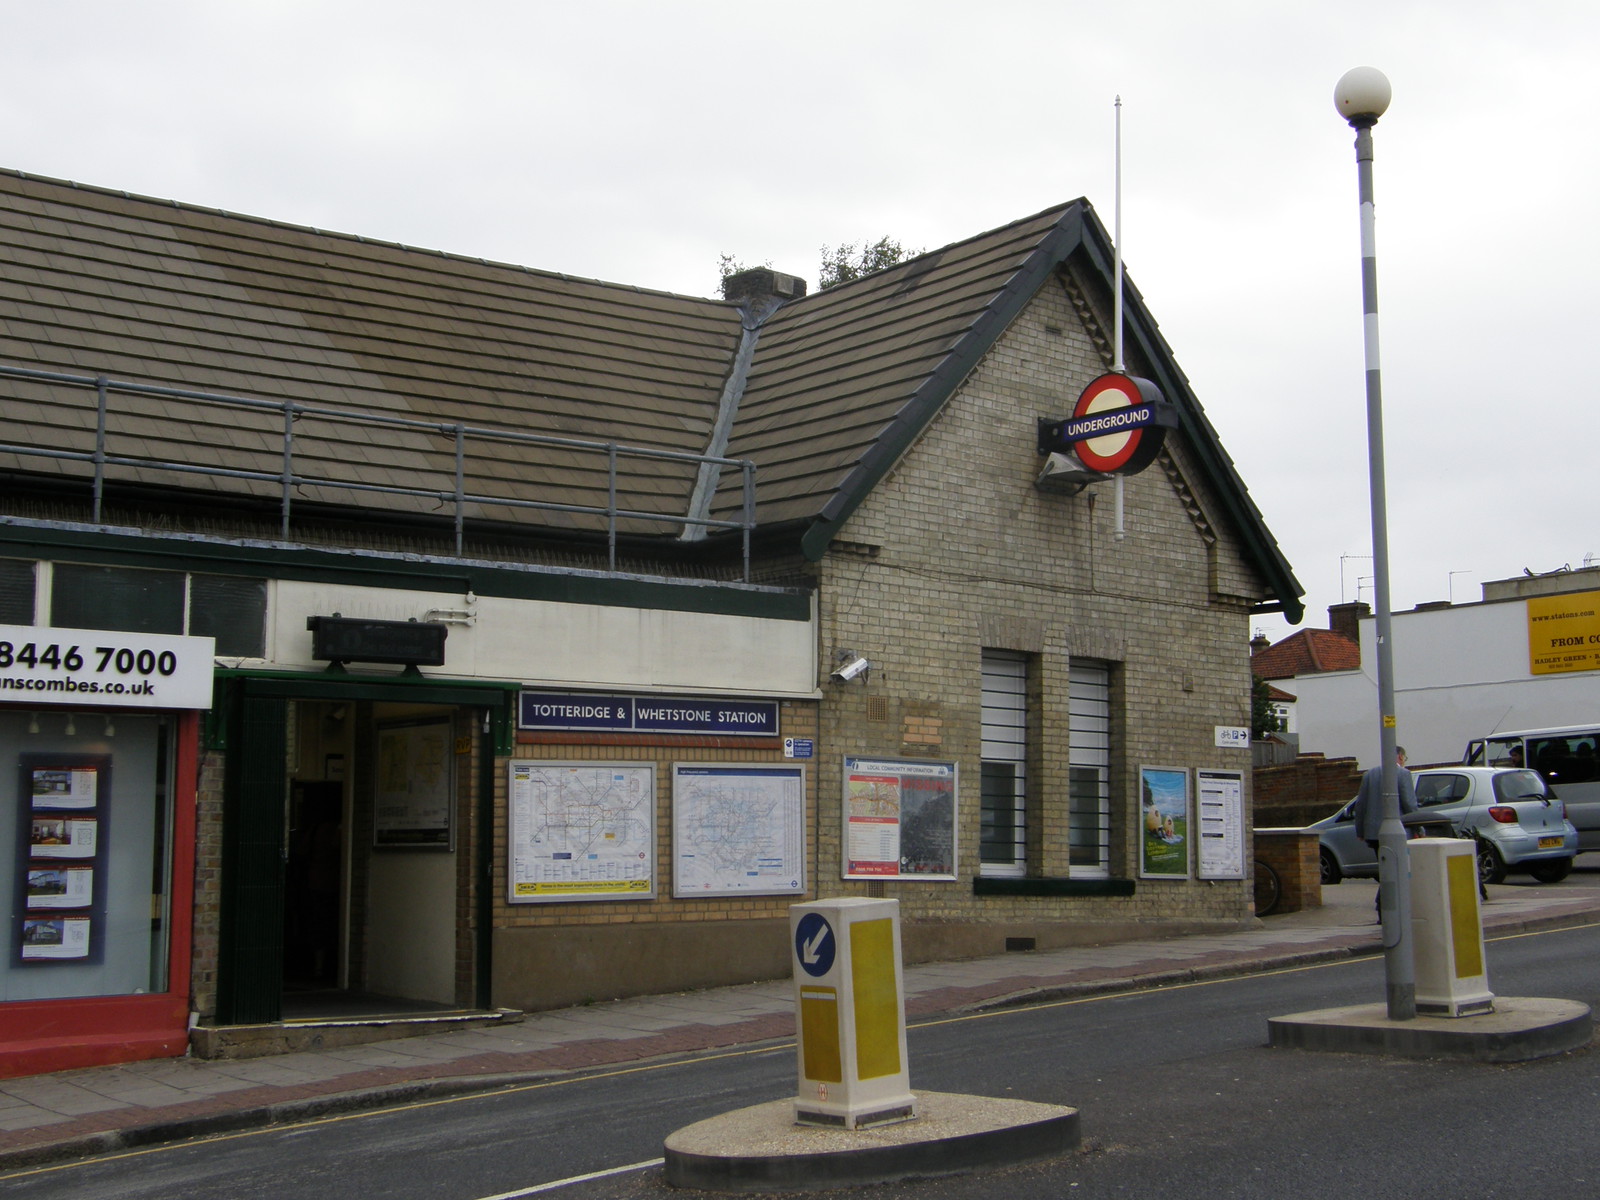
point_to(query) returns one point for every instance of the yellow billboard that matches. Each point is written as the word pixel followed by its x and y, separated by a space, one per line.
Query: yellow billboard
pixel 1564 633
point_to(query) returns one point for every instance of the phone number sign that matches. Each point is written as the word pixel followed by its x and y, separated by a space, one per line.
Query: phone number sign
pixel 103 667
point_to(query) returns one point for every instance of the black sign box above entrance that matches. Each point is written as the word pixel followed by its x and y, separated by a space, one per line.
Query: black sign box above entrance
pixel 350 639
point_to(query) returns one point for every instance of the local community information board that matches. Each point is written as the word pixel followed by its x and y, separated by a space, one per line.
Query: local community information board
pixel 899 818
pixel 1221 802
pixel 738 829
pixel 581 831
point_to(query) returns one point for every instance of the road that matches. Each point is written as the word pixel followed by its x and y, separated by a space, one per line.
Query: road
pixel 1179 1097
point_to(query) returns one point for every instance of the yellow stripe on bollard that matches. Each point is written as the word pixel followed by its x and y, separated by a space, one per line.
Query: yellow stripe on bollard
pixel 872 967
pixel 1462 876
pixel 819 1034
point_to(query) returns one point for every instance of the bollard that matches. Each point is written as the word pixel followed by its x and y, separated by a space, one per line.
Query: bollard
pixel 850 1014
pixel 1447 929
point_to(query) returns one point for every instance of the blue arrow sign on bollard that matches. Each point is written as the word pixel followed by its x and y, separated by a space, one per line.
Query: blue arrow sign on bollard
pixel 814 944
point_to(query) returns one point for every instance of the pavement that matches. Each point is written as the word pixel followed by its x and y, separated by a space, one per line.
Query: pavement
pixel 49 1118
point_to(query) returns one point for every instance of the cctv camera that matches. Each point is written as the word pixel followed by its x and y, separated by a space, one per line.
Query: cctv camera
pixel 854 665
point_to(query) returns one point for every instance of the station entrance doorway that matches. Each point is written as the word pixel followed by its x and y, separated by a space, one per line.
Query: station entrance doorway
pixel 351 868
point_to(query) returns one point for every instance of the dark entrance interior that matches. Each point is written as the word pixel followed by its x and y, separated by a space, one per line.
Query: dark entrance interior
pixel 313 877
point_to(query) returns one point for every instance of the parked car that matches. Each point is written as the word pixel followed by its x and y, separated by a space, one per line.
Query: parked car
pixel 1517 820
pixel 1565 756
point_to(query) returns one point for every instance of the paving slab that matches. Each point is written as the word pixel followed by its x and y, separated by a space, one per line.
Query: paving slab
pixel 27 1116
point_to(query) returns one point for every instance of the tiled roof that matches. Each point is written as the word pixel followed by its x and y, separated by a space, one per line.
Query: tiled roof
pixel 836 371
pixel 156 293
pixel 1306 652
pixel 838 384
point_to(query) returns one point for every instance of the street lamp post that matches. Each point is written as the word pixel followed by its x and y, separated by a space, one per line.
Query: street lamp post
pixel 1362 96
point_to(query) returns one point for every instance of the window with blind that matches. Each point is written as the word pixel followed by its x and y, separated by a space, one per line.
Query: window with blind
pixel 1089 774
pixel 1003 835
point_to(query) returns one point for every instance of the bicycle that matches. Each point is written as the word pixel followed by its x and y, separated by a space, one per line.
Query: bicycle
pixel 1268 888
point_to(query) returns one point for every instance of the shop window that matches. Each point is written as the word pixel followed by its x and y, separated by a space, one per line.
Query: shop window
pixel 85 853
pixel 1003 832
pixel 1089 773
pixel 16 591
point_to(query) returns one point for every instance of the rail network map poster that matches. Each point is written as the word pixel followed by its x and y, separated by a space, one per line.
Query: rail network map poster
pixel 738 829
pixel 582 831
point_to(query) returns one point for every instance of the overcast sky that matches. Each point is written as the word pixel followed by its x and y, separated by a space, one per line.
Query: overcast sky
pixel 636 141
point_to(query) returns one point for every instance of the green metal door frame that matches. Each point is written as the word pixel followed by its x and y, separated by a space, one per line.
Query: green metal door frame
pixel 248 721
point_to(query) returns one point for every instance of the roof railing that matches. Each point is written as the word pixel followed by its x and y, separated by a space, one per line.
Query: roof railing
pixel 287 478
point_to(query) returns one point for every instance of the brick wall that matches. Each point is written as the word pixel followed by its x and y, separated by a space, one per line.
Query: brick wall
pixel 552 954
pixel 796 718
pixel 1308 789
pixel 957 552
pixel 207 881
pixel 1293 854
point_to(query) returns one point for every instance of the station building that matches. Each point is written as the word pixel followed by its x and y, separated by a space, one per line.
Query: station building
pixel 389 635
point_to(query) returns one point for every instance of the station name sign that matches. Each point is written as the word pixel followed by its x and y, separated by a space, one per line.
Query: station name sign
pixel 591 713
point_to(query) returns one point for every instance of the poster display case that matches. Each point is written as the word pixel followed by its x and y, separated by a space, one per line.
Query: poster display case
pixel 1219 797
pixel 63 807
pixel 899 818
pixel 581 831
pixel 1164 823
pixel 415 785
pixel 738 829
pixel 88 820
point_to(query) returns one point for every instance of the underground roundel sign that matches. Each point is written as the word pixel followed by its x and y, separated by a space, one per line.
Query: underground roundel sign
pixel 1118 424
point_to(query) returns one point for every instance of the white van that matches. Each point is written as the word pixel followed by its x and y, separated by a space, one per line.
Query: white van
pixel 1569 759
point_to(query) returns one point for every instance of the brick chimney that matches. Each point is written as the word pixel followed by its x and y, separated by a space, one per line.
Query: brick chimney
pixel 762 283
pixel 1346 618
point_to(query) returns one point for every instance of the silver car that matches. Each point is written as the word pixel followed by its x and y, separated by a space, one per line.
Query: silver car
pixel 1516 820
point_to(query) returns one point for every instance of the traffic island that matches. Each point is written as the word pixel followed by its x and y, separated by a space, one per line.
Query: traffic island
pixel 1457 1016
pixel 1519 1029
pixel 762 1149
pixel 854 1118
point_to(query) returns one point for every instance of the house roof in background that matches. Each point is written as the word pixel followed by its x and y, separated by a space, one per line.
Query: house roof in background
pixel 1306 652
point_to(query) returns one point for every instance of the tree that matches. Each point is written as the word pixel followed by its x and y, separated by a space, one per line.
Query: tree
pixel 1263 718
pixel 842 263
